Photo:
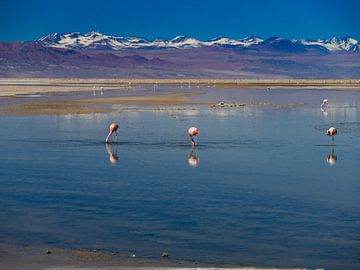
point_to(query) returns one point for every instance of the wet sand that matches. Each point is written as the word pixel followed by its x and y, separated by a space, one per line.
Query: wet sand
pixel 12 257
pixel 98 105
pixel 30 258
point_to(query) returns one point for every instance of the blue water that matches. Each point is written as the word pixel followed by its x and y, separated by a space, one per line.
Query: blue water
pixel 257 190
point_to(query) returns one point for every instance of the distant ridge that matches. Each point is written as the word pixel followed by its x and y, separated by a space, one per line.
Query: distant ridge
pixel 94 55
pixel 98 41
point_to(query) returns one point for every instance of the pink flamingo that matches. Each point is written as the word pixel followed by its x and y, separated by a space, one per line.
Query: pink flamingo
pixel 324 103
pixel 331 132
pixel 193 131
pixel 112 128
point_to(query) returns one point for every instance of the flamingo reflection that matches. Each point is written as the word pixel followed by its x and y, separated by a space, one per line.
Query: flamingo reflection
pixel 323 109
pixel 331 158
pixel 113 157
pixel 193 159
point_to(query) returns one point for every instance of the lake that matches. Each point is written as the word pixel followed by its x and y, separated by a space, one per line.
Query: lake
pixel 264 186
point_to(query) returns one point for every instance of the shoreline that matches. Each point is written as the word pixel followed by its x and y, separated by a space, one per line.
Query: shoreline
pixel 11 87
pixel 59 96
pixel 28 257
pixel 36 258
pixel 187 80
pixel 98 105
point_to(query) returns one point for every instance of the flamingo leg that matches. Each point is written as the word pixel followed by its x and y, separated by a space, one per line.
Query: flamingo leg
pixel 192 140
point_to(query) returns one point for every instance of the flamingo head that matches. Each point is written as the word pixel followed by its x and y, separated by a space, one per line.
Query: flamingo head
pixel 113 127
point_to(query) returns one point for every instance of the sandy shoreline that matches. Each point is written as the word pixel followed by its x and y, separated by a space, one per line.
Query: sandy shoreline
pixel 37 258
pixel 13 257
pixel 98 105
pixel 13 87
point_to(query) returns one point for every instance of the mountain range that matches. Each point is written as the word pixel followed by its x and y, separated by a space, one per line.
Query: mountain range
pixel 98 41
pixel 100 56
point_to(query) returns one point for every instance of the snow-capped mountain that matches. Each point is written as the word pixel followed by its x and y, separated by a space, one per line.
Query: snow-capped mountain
pixel 95 40
pixel 99 41
pixel 333 44
pixel 227 42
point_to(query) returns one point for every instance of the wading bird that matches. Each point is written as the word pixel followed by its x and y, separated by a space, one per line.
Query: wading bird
pixel 331 132
pixel 112 128
pixel 193 131
pixel 324 103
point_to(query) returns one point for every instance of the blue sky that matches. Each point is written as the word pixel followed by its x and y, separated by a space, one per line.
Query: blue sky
pixel 202 19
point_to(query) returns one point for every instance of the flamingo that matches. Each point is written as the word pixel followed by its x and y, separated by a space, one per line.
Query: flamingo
pixel 324 103
pixel 331 132
pixel 193 131
pixel 112 128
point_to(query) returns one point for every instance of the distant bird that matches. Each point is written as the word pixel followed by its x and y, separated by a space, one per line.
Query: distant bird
pixel 331 132
pixel 324 103
pixel 112 128
pixel 193 131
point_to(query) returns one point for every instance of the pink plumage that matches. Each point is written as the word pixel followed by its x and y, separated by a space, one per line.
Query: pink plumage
pixel 331 131
pixel 193 131
pixel 112 128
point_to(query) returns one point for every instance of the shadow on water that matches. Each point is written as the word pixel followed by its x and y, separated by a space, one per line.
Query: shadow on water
pixel 328 145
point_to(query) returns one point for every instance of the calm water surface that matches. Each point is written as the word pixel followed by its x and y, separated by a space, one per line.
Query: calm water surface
pixel 264 186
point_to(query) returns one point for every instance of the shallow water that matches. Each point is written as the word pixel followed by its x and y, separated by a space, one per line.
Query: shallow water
pixel 259 189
